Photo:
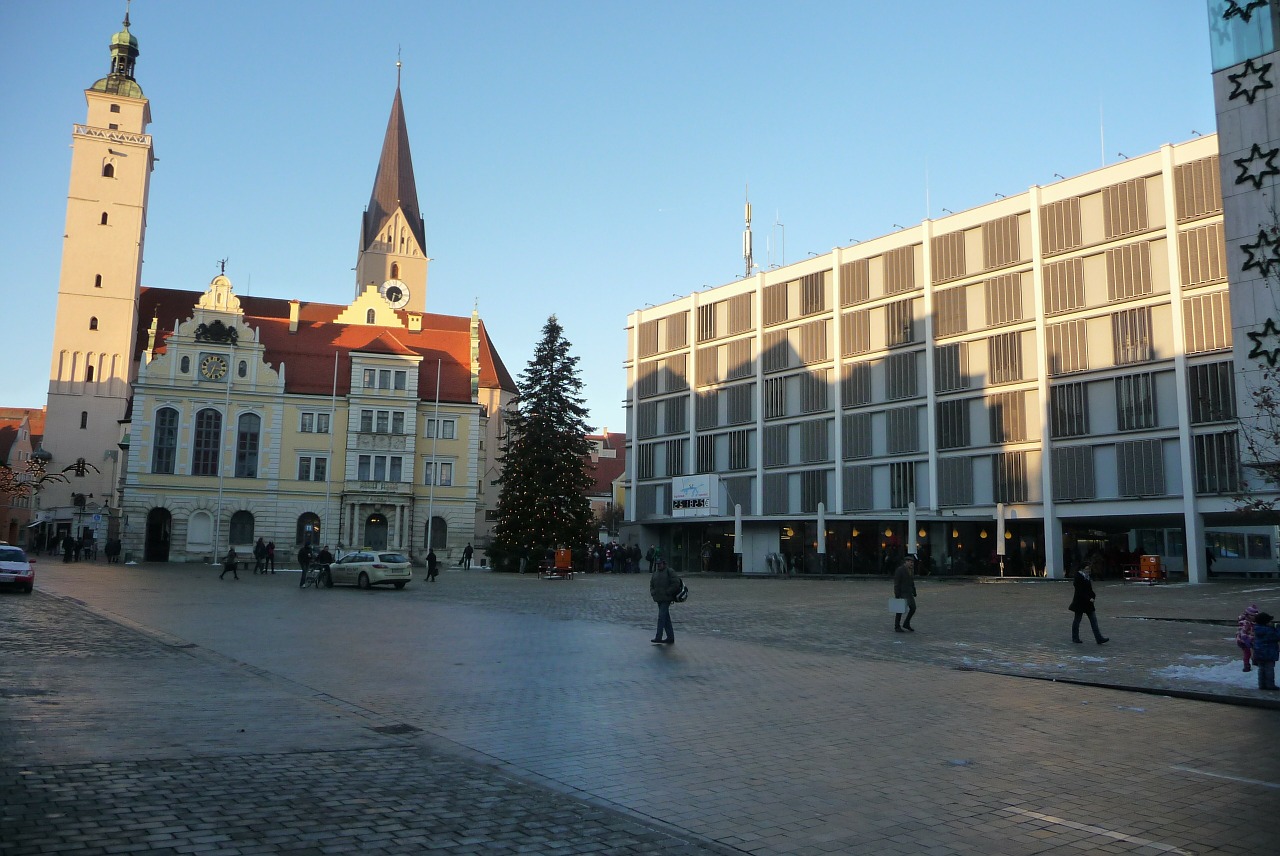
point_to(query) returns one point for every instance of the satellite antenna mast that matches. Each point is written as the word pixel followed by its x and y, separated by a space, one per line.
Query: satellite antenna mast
pixel 746 236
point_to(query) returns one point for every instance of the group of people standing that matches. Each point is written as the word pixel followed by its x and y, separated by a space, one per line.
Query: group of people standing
pixel 305 559
pixel 264 557
pixel 616 558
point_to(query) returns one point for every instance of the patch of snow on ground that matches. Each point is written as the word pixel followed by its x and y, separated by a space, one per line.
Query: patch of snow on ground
pixel 1222 671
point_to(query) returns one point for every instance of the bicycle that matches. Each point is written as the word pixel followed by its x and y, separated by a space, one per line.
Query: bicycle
pixel 317 576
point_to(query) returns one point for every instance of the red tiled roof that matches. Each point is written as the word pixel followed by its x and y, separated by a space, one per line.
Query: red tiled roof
pixel 605 470
pixel 11 420
pixel 308 354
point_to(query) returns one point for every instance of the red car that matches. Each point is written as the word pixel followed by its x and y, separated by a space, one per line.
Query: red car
pixel 15 569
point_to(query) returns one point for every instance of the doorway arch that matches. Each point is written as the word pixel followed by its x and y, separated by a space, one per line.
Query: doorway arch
pixel 375 531
pixel 159 528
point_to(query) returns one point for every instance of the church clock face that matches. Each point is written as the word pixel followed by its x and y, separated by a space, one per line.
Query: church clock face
pixel 213 367
pixel 395 293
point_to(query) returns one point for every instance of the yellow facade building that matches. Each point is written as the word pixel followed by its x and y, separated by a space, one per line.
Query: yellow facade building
pixel 373 423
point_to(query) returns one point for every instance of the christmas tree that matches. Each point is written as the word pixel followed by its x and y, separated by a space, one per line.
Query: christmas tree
pixel 542 502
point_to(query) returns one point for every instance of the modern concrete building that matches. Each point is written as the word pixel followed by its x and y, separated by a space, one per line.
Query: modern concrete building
pixel 373 423
pixel 1015 385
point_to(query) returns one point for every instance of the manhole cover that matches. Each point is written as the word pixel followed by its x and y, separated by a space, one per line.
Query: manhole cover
pixel 401 728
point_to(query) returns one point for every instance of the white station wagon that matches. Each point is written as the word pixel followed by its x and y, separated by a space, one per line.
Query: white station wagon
pixel 368 568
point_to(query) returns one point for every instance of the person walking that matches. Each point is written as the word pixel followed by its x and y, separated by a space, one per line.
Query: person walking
pixel 664 585
pixel 271 558
pixel 433 566
pixel 467 553
pixel 904 587
pixel 1244 634
pixel 304 562
pixel 1082 602
pixel 1266 650
pixel 229 564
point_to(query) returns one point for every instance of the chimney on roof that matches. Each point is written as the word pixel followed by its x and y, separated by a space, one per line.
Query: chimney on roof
pixel 294 306
pixel 415 322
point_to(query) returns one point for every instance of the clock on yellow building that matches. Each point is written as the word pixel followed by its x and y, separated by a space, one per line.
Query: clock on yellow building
pixel 213 367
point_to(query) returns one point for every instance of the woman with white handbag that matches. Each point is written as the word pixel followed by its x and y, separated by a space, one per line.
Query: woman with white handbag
pixel 904 588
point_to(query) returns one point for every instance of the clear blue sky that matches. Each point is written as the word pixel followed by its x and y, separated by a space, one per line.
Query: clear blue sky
pixel 577 158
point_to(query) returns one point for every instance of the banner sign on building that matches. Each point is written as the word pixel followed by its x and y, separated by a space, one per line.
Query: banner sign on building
pixel 695 496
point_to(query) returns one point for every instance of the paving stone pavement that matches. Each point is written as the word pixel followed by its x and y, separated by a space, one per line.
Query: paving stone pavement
pixel 788 718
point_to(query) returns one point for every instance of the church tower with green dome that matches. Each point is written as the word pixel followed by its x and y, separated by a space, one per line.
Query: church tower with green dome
pixel 92 363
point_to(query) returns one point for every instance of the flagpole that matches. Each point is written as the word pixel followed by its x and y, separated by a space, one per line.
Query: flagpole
pixel 435 465
pixel 217 525
pixel 328 470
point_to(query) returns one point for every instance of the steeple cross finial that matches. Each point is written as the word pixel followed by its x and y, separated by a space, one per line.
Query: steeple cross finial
pixel 398 65
pixel 126 13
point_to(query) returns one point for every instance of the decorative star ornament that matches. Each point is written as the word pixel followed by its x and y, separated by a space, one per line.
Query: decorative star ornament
pixel 1245 12
pixel 1249 80
pixel 1262 254
pixel 1260 340
pixel 1257 165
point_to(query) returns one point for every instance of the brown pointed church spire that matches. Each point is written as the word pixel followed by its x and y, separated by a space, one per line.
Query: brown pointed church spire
pixel 394 186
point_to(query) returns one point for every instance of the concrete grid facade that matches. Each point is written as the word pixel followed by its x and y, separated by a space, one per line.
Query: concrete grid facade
pixel 1065 353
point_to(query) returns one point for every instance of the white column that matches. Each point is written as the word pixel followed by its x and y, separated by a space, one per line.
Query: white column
pixel 1053 565
pixel 1193 522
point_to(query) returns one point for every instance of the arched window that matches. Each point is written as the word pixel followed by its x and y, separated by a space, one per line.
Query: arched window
pixel 97 281
pixel 88 374
pixel 185 365
pixel 395 271
pixel 241 528
pixel 103 221
pixel 93 323
pixel 370 317
pixel 204 450
pixel 437 534
pixel 200 531
pixel 164 448
pixel 247 446
pixel 84 419
pixel 109 170
pixel 308 530
pixel 243 370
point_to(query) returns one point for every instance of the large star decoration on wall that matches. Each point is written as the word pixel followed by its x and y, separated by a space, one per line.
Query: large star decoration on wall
pixel 1257 165
pixel 1262 254
pixel 1249 80
pixel 1270 335
pixel 1245 12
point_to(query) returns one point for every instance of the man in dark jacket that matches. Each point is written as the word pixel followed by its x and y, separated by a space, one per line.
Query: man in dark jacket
pixel 1082 605
pixel 904 586
pixel 1266 649
pixel 664 585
